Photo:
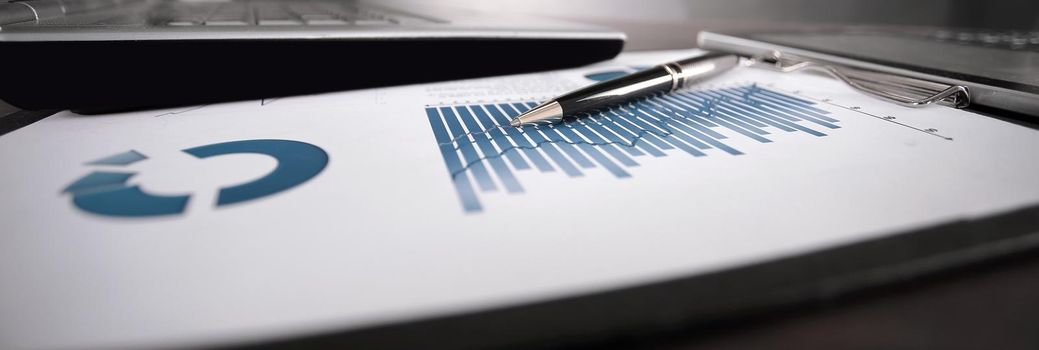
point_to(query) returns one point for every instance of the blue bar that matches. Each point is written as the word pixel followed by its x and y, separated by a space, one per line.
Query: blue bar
pixel 472 159
pixel 779 109
pixel 672 133
pixel 580 127
pixel 640 138
pixel 499 138
pixel 650 134
pixel 546 145
pixel 699 98
pixel 710 140
pixel 692 119
pixel 747 111
pixel 807 112
pixel 492 155
pixel 683 120
pixel 781 114
pixel 643 139
pixel 721 111
pixel 796 101
pixel 757 89
pixel 549 147
pixel 606 163
pixel 521 142
pixel 725 120
pixel 688 124
pixel 568 147
pixel 780 100
pixel 767 113
pixel 794 110
pixel 703 109
pixel 668 136
pixel 596 123
pixel 676 111
pixel 466 194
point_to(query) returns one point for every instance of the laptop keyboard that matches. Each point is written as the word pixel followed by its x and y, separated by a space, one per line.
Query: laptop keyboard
pixel 1006 40
pixel 272 13
pixel 185 13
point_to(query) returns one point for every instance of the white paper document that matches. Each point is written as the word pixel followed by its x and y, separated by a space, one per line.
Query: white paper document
pixel 260 219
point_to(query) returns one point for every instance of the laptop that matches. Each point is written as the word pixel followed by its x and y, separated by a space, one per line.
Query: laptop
pixel 109 55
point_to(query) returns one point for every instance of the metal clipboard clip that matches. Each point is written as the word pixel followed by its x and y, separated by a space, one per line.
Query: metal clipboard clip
pixel 905 91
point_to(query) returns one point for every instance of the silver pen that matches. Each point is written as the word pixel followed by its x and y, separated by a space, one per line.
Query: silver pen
pixel 666 77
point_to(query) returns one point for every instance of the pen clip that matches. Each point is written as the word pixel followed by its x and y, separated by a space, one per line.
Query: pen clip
pixel 905 91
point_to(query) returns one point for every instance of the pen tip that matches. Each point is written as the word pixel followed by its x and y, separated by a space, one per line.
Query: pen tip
pixel 546 113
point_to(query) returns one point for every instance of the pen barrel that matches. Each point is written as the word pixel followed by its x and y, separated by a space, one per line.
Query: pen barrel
pixel 616 91
pixel 702 67
pixel 658 79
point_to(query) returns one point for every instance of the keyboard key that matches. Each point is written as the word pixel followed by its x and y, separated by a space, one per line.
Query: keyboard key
pixel 227 23
pixel 326 22
pixel 230 14
pixel 275 14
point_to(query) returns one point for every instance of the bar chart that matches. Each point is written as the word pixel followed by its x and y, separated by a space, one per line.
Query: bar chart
pixel 483 154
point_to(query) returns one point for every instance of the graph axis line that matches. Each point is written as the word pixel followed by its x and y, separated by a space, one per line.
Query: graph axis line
pixel 866 113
